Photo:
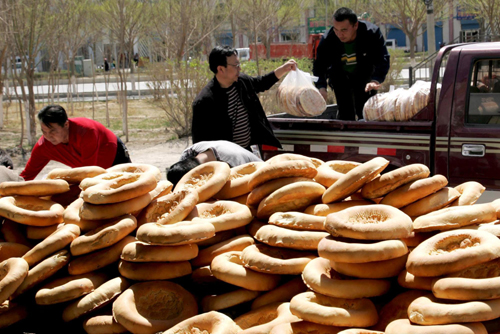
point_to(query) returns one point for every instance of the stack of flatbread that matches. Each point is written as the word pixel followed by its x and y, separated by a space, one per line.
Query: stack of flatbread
pixel 398 105
pixel 297 95
pixel 301 101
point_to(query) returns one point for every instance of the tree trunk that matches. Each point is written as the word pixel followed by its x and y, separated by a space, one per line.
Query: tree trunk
pixel 30 119
pixel 50 86
pixel 139 81
pixel 69 95
pixel 15 78
pixel 22 122
pixel 233 28
pixel 93 87
pixel 1 108
pixel 125 112
pixel 412 49
pixel 267 44
pixel 123 93
pixel 77 91
pixel 58 81
pixel 106 83
pixel 256 47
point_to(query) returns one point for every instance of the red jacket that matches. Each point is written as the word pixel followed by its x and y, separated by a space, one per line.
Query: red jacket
pixel 90 144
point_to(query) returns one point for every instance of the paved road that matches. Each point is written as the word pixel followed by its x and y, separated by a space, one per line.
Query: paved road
pixel 86 89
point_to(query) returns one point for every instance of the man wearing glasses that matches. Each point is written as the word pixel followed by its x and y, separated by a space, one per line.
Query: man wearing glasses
pixel 228 107
pixel 353 57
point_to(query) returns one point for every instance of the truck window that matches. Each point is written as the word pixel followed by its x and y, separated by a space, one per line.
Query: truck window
pixel 484 93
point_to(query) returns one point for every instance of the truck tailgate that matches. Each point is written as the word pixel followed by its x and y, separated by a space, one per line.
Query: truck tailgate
pixel 401 143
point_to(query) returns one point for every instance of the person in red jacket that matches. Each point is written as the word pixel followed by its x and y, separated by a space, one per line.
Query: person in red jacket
pixel 75 142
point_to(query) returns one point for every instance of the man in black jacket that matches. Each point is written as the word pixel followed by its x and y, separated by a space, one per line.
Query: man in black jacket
pixel 353 57
pixel 228 107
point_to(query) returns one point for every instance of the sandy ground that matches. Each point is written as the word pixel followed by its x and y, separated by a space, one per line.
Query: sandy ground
pixel 161 154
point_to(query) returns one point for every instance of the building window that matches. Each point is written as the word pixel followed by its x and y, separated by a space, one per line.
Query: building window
pixel 225 39
pixel 289 36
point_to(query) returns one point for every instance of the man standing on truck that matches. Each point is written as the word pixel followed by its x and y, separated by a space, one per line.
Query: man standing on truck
pixel 353 57
pixel 228 107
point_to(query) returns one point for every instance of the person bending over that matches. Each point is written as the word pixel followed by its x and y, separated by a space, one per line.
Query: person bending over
pixel 6 168
pixel 353 57
pixel 218 150
pixel 75 142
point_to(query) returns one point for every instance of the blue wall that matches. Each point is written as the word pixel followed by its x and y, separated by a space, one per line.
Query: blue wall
pixel 397 34
pixel 438 32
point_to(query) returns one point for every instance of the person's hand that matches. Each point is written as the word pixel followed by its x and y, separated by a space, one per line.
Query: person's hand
pixel 371 86
pixel 290 65
pixel 323 93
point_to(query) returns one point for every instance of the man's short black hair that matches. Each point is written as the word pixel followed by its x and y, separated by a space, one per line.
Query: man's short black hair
pixel 218 56
pixel 345 13
pixel 180 168
pixel 5 159
pixel 53 114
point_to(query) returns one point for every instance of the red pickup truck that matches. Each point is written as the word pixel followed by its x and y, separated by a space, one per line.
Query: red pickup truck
pixel 457 134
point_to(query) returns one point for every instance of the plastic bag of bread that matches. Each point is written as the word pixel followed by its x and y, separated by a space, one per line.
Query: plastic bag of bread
pixel 403 106
pixel 297 95
pixel 381 107
pixel 373 107
pixel 421 91
pixel 389 105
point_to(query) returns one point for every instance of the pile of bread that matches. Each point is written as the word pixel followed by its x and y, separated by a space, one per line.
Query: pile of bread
pixel 297 96
pixel 400 104
pixel 290 245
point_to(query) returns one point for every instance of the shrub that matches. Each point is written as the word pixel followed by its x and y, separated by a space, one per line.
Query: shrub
pixel 175 86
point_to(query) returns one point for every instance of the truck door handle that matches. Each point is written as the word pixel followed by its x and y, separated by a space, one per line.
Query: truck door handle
pixel 471 150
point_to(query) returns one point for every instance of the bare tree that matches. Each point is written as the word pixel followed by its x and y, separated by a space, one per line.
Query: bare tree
pixel 183 33
pixel 176 85
pixel 29 25
pixel 4 11
pixel 184 28
pixel 52 54
pixel 74 31
pixel 487 11
pixel 127 21
pixel 264 19
pixel 408 15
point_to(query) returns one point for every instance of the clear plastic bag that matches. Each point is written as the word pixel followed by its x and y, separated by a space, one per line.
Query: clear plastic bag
pixel 381 107
pixel 398 105
pixel 404 106
pixel 373 107
pixel 298 96
pixel 421 92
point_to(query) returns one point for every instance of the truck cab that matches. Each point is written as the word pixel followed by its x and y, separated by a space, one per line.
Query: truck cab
pixel 457 134
pixel 468 115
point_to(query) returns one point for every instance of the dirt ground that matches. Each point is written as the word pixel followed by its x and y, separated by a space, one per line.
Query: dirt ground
pixel 151 139
pixel 160 153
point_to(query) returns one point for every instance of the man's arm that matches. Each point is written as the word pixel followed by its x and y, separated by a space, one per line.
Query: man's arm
pixel 321 63
pixel 35 164
pixel 290 65
pixel 262 83
pixel 200 125
pixel 320 67
pixel 382 58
